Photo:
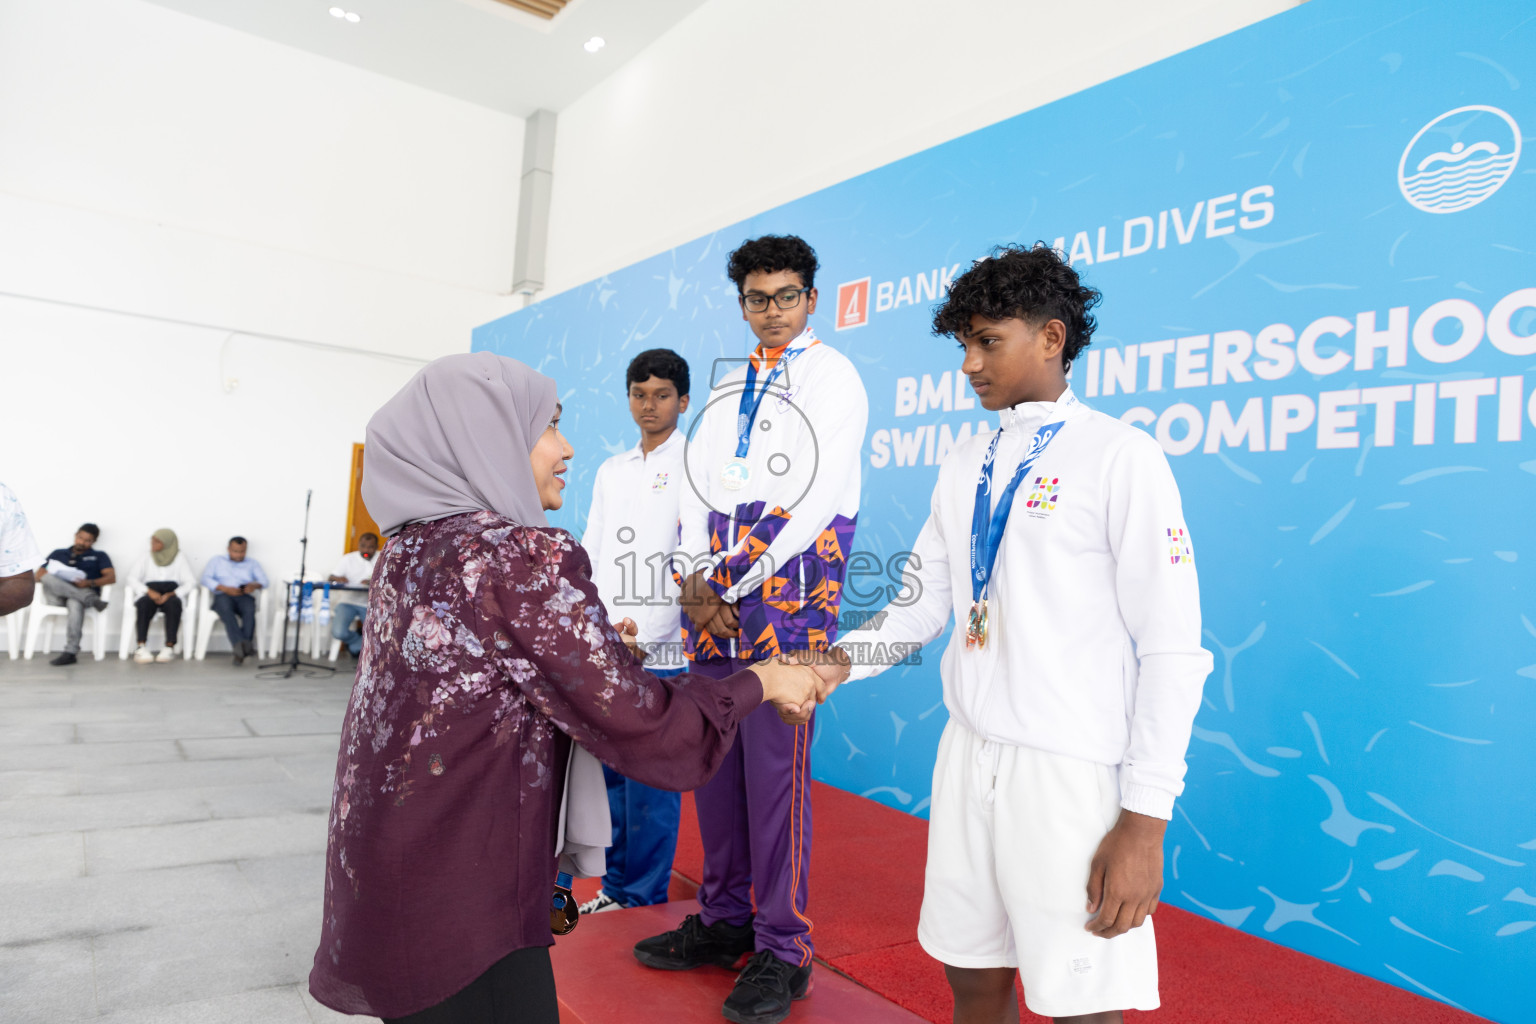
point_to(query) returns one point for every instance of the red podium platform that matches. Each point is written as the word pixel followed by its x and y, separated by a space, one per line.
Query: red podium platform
pixel 600 981
pixel 866 886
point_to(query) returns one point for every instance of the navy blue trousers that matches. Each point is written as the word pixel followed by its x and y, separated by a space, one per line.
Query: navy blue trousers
pixel 645 822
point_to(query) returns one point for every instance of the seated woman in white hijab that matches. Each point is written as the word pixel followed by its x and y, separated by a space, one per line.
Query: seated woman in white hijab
pixel 166 577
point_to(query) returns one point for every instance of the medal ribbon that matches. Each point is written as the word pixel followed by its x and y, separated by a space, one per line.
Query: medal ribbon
pixel 986 525
pixel 751 398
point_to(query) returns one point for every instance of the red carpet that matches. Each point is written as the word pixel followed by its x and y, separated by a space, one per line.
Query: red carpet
pixel 867 884
pixel 600 982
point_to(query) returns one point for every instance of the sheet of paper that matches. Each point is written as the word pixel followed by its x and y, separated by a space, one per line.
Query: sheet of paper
pixel 67 573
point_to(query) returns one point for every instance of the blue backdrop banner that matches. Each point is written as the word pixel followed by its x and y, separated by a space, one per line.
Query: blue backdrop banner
pixel 1316 240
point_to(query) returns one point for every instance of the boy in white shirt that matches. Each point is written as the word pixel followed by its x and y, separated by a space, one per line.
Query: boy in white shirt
pixel 1072 677
pixel 355 568
pixel 630 537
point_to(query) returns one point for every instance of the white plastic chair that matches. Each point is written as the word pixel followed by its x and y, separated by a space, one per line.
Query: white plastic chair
pixel 311 636
pixel 340 597
pixel 128 634
pixel 206 620
pixel 40 624
pixel 13 632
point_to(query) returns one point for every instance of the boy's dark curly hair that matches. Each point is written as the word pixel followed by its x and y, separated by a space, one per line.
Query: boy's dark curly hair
pixel 658 362
pixel 1031 284
pixel 770 254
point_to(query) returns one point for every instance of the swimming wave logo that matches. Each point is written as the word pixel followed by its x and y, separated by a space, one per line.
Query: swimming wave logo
pixel 1459 159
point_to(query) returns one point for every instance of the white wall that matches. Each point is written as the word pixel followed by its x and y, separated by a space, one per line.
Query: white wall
pixel 743 106
pixel 152 163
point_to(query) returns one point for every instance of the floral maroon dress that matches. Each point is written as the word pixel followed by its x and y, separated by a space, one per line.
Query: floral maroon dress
pixel 486 651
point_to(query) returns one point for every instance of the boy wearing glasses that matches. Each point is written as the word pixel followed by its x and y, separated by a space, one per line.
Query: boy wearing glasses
pixel 768 517
pixel 1073 674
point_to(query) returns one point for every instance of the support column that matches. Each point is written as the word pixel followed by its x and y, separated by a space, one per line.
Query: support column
pixel 533 203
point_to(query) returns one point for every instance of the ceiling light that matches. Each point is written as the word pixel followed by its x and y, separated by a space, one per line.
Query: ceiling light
pixel 354 17
pixel 594 44
pixel 337 12
pixel 346 15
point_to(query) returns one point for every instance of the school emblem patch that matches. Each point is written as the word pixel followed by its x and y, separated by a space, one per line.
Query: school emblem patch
pixel 1043 495
pixel 1178 546
pixel 660 483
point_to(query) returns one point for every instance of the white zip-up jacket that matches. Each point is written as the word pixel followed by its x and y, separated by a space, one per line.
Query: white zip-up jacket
pixel 1093 646
pixel 779 545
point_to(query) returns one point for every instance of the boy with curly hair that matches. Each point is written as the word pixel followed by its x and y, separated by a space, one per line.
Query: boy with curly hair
pixel 769 514
pixel 1072 679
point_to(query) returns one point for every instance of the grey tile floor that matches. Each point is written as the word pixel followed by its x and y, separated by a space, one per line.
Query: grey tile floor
pixel 162 841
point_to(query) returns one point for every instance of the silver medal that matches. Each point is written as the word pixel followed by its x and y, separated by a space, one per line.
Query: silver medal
pixel 735 473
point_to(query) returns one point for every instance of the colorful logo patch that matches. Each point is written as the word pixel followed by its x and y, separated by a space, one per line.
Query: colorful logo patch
pixel 660 483
pixel 1178 546
pixel 1043 495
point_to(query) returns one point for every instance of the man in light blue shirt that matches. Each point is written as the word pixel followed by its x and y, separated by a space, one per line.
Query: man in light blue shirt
pixel 234 580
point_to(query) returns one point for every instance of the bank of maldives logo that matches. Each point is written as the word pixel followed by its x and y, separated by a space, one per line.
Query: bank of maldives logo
pixel 853 304
pixel 1459 159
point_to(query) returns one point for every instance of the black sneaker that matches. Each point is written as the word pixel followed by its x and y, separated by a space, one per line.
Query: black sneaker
pixel 238 654
pixel 693 944
pixel 64 659
pixel 764 990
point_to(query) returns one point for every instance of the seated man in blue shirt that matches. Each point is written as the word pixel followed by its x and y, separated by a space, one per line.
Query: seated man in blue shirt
pixel 234 580
pixel 82 590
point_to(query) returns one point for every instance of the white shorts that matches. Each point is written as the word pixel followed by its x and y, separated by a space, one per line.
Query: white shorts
pixel 1011 833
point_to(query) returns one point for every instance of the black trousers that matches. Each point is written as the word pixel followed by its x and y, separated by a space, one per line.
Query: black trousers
pixel 518 989
pixel 146 609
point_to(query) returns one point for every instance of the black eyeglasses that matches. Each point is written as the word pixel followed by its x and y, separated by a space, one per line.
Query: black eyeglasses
pixel 789 298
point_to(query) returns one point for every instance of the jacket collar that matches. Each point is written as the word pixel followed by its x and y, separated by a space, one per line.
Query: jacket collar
pixel 1029 416
pixel 675 438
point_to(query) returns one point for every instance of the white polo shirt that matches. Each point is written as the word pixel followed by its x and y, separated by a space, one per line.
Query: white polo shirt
pixel 355 568
pixel 631 535
pixel 1093 646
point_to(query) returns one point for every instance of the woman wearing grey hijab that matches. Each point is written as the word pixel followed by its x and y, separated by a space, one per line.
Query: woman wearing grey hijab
pixel 486 655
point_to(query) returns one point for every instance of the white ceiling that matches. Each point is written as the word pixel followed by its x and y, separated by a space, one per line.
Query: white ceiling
pixel 476 50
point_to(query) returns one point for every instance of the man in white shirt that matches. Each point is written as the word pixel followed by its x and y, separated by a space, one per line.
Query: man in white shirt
pixel 1073 675
pixel 19 554
pixel 354 569
pixel 767 521
pixel 631 536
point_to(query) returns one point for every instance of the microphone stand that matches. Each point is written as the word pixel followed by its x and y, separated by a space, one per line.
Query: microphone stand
pixel 292 662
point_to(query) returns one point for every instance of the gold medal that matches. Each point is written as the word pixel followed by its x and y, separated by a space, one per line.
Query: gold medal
pixel 976 625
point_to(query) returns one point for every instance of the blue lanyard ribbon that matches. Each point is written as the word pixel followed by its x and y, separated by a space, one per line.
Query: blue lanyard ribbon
pixel 751 398
pixel 986 525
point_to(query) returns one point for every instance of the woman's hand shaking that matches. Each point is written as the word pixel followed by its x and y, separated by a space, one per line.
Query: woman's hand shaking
pixel 832 668
pixel 790 687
